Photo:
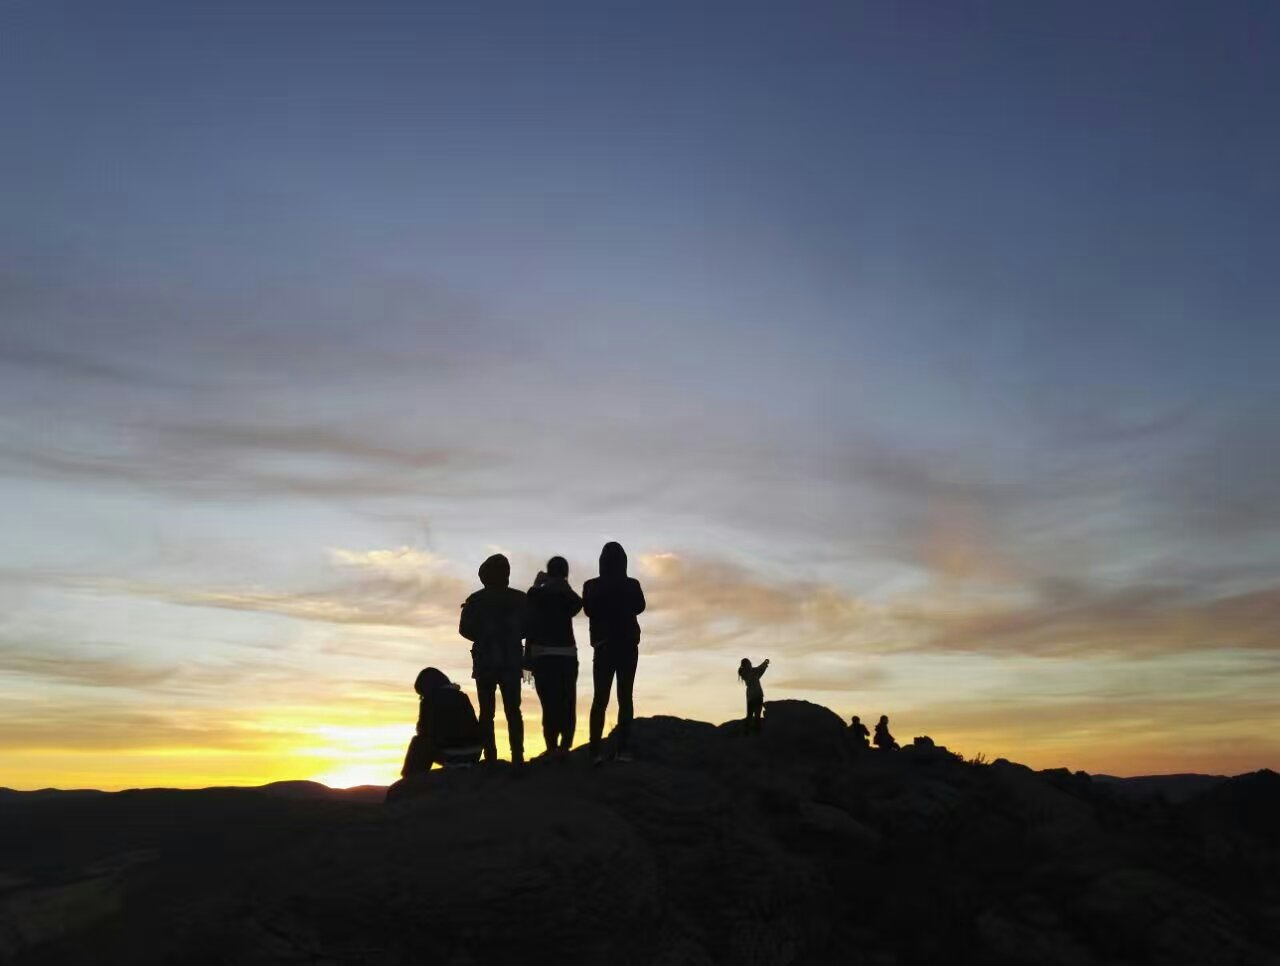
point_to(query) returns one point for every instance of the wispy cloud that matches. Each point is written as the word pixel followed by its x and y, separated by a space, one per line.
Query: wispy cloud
pixel 713 602
pixel 400 587
pixel 95 665
pixel 246 461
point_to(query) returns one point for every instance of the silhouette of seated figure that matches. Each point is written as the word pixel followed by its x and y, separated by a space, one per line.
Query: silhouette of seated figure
pixel 448 730
pixel 884 740
pixel 861 736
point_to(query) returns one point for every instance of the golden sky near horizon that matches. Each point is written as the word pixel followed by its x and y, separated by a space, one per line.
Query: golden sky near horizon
pixel 332 701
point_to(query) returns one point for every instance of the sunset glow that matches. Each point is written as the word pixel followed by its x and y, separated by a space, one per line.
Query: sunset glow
pixel 903 347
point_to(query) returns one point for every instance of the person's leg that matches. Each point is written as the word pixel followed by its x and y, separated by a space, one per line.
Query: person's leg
pixel 485 687
pixel 602 680
pixel 510 685
pixel 413 756
pixel 545 685
pixel 626 668
pixel 569 708
pixel 753 717
pixel 553 706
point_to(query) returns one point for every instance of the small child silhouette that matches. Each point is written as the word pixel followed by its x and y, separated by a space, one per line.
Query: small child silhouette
pixel 751 676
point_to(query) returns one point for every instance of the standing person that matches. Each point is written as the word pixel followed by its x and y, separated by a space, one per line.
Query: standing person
pixel 493 619
pixel 612 601
pixel 750 676
pixel 884 740
pixel 552 653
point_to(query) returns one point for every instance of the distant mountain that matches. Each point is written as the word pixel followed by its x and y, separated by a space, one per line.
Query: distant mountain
pixel 1171 788
pixel 313 790
pixel 282 789
pixel 790 847
pixel 10 794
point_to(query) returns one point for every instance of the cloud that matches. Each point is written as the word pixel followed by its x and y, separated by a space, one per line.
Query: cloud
pixel 700 603
pixel 398 562
pixel 709 603
pixel 241 460
pixel 703 602
pixel 401 587
pixel 89 726
pixel 82 664
pixel 1065 617
pixel 25 356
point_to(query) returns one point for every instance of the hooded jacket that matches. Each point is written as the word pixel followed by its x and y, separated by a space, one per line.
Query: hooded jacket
pixel 494 619
pixel 447 724
pixel 612 600
pixel 446 719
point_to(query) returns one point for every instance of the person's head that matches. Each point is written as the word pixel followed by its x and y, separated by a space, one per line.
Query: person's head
pixel 857 720
pixel 743 667
pixel 429 679
pixel 884 719
pixel 558 567
pixel 496 571
pixel 613 560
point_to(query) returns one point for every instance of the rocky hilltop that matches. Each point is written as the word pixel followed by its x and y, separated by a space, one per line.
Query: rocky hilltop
pixel 714 847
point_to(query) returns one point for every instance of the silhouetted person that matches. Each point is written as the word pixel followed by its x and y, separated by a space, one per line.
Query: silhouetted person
pixel 861 736
pixel 884 740
pixel 612 601
pixel 493 619
pixel 552 653
pixel 751 676
pixel 448 732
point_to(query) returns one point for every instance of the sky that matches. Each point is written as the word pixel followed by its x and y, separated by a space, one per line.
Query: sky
pixel 927 349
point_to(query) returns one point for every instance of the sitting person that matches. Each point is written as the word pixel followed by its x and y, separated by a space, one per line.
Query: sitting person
pixel 448 731
pixel 861 736
pixel 884 740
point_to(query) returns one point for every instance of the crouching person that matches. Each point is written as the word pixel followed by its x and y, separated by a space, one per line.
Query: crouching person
pixel 448 731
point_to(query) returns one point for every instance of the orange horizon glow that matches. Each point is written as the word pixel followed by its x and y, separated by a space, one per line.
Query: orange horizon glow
pixel 344 756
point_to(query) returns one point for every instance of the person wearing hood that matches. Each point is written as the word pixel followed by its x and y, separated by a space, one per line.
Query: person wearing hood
pixel 551 653
pixel 494 619
pixel 448 732
pixel 612 602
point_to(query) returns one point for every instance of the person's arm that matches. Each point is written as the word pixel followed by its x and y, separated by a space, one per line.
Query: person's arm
pixel 637 601
pixel 469 623
pixel 764 667
pixel 572 602
pixel 586 598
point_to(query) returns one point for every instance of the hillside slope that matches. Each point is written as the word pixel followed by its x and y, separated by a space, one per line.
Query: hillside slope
pixel 715 847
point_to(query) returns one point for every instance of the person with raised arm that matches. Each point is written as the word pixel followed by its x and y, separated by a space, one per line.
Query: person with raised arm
pixel 551 654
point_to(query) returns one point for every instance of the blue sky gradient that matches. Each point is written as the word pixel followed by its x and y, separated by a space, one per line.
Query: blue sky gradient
pixel 928 349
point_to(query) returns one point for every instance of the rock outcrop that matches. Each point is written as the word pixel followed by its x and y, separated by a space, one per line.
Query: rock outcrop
pixel 790 847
